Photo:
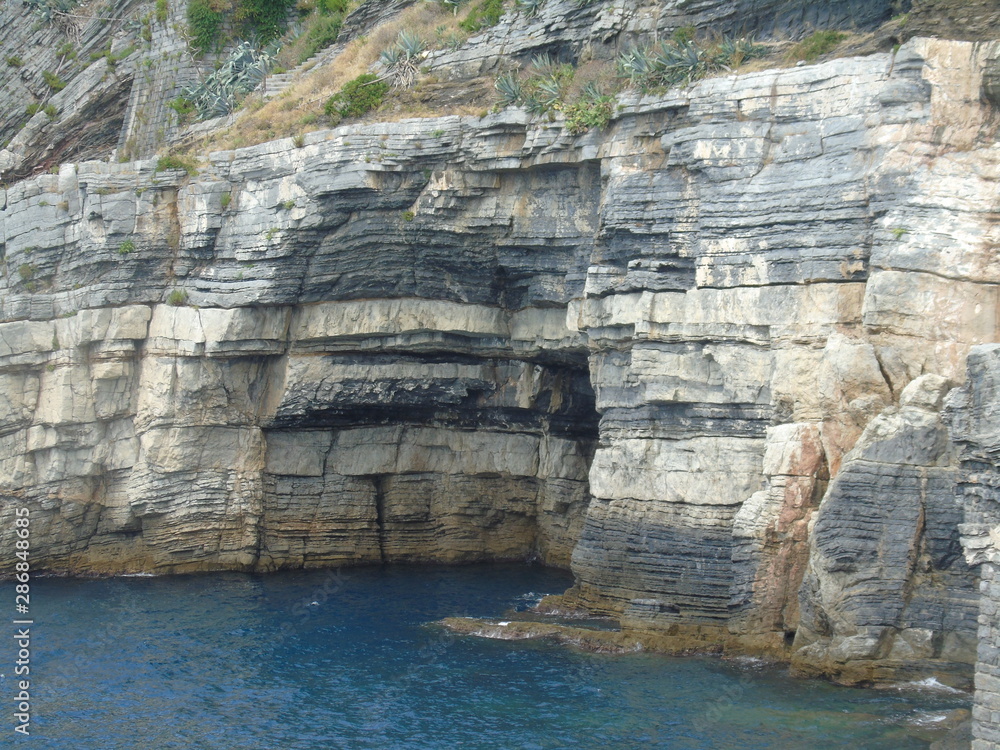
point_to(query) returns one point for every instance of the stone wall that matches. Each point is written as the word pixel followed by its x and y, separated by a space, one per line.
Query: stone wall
pixel 166 69
pixel 95 52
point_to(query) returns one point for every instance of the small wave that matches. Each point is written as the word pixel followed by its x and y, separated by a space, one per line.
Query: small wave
pixel 749 661
pixel 531 599
pixel 931 683
pixel 528 601
pixel 930 719
pixel 137 575
pixel 503 634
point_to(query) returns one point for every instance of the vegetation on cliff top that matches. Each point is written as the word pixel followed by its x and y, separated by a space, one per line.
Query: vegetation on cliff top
pixel 583 93
pixel 682 61
pixel 820 43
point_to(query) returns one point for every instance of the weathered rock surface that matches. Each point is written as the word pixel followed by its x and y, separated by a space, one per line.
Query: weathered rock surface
pixel 646 350
pixel 887 588
pixel 973 414
pixel 726 407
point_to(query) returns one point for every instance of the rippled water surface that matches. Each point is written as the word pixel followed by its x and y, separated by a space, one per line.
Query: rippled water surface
pixel 327 660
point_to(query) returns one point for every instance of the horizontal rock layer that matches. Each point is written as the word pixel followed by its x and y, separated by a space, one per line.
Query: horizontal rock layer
pixel 652 350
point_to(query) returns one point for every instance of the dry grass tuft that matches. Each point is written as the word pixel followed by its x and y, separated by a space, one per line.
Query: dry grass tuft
pixel 299 109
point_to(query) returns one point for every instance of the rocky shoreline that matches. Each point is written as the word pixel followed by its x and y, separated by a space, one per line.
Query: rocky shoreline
pixel 730 360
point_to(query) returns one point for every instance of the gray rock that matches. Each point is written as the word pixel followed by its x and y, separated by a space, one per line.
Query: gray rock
pixel 642 352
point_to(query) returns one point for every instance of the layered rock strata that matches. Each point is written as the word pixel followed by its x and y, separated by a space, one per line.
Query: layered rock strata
pixel 887 591
pixel 657 350
pixel 973 416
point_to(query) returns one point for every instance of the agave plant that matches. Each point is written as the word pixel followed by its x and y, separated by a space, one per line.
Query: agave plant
pixel 681 63
pixel 549 91
pixel 48 9
pixel 391 56
pixel 401 59
pixel 241 72
pixel 533 104
pixel 509 87
pixel 731 53
pixel 592 92
pixel 637 65
pixel 542 62
pixel 531 7
pixel 411 44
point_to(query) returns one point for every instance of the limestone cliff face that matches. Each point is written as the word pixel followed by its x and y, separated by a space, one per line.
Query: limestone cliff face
pixel 972 415
pixel 796 273
pixel 700 356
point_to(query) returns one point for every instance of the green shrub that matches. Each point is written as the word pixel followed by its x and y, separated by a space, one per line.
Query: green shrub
pixel 204 25
pixel 53 81
pixel 183 106
pixel 177 298
pixel 357 97
pixel 14 61
pixel 115 59
pixel 263 19
pixel 26 271
pixel 67 50
pixel 161 11
pixel 128 246
pixel 818 44
pixel 332 7
pixel 175 162
pixel 483 15
pixel 593 110
pixel 32 109
pixel 50 111
pixel 225 200
pixel 683 34
pixel 408 215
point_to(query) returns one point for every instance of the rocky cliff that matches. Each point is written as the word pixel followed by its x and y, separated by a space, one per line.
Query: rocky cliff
pixel 707 357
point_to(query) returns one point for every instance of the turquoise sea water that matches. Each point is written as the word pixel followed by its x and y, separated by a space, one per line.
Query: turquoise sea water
pixel 316 660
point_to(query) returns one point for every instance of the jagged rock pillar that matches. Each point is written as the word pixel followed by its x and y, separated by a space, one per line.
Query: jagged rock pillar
pixel 886 595
pixel 975 426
